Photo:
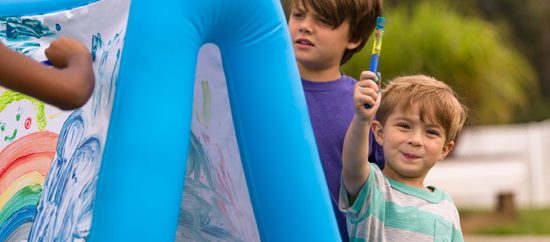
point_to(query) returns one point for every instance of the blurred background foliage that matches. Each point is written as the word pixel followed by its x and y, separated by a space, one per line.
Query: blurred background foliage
pixel 494 53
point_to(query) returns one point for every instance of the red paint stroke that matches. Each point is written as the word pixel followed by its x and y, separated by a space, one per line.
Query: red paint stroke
pixel 225 183
pixel 222 207
pixel 33 152
pixel 28 123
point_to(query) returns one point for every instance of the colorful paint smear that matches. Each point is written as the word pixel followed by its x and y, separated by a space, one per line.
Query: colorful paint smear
pixel 10 96
pixel 102 97
pixel 205 213
pixel 23 28
pixel 66 206
pixel 27 48
pixel 215 203
pixel 41 200
pixel 24 165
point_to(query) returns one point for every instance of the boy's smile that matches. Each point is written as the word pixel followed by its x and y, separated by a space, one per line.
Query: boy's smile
pixel 303 43
pixel 411 146
pixel 317 44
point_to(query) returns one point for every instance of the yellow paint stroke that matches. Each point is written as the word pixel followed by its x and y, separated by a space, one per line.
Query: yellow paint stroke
pixel 53 115
pixel 30 178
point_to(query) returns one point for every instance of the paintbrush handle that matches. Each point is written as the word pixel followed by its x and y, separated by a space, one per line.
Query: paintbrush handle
pixel 380 21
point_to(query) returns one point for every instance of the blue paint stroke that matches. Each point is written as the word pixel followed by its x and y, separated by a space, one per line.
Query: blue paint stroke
pixel 20 234
pixel 200 216
pixel 66 205
pixel 114 77
pixel 24 29
pixel 23 215
pixel 57 27
pixel 100 99
pixel 27 49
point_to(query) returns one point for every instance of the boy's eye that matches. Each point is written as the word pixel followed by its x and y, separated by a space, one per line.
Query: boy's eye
pixel 401 125
pixel 324 21
pixel 432 132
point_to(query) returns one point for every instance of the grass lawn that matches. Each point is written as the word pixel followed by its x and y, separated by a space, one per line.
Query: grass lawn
pixel 530 221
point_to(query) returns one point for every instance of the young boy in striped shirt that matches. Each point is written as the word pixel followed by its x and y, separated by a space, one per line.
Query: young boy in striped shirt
pixel 417 120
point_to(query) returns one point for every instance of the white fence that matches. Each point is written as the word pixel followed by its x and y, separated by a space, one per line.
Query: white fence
pixel 489 160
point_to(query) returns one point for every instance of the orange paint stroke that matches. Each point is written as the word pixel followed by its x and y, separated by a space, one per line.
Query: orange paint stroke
pixel 39 162
pixel 32 153
pixel 38 142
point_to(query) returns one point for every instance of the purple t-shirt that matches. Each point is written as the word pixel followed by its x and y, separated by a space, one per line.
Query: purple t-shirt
pixel 330 106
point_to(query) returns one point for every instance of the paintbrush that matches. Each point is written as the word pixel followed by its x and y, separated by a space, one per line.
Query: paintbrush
pixel 380 21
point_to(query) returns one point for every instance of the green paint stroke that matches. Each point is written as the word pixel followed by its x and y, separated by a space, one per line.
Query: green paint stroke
pixel 3 126
pixel 10 139
pixel 10 96
pixel 18 116
pixel 204 117
pixel 28 196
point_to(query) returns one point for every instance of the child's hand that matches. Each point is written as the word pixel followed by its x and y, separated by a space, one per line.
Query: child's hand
pixel 62 50
pixel 366 92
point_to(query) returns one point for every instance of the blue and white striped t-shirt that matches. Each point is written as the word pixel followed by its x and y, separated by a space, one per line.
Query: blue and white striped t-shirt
pixel 387 210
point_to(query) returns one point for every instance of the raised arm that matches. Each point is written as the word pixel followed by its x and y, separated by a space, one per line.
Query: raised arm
pixel 356 144
pixel 68 86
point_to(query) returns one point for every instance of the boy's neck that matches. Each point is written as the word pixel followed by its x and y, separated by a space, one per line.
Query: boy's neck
pixel 409 181
pixel 319 75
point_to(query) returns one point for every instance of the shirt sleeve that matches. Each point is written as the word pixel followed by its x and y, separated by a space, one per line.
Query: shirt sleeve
pixel 363 199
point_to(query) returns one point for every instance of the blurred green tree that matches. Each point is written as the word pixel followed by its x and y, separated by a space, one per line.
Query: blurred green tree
pixel 472 55
pixel 286 7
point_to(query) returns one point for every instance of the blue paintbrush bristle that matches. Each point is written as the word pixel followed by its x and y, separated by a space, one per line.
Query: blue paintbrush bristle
pixel 380 21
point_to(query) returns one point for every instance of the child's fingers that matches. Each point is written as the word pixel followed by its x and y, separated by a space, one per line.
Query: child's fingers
pixel 368 83
pixel 368 75
pixel 62 50
pixel 365 99
pixel 366 92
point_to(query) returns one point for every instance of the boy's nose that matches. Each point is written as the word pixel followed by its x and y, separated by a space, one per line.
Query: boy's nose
pixel 305 26
pixel 305 29
pixel 415 138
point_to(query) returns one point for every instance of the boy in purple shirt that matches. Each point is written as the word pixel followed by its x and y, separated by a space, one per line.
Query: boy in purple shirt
pixel 325 35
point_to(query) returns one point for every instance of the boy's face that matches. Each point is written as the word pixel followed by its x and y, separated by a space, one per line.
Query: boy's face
pixel 317 45
pixel 411 146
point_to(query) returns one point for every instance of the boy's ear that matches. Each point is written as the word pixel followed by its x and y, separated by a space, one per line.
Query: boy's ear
pixel 446 149
pixel 378 131
pixel 353 44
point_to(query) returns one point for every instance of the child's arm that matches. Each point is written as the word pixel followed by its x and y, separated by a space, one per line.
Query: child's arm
pixel 68 87
pixel 356 144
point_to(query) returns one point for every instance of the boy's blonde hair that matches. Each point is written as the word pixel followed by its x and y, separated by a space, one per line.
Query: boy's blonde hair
pixel 433 97
pixel 360 14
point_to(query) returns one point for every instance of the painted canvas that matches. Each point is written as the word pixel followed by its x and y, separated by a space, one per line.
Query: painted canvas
pixel 49 159
pixel 215 203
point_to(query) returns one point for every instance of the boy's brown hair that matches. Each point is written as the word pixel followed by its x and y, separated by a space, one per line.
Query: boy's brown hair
pixel 360 14
pixel 433 97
